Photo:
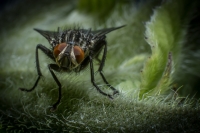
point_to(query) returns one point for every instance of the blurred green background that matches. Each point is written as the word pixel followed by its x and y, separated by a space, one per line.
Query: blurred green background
pixel 156 92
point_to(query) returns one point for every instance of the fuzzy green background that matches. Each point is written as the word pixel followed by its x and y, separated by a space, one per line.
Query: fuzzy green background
pixel 153 61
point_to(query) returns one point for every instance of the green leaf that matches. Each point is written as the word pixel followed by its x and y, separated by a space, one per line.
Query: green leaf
pixel 165 33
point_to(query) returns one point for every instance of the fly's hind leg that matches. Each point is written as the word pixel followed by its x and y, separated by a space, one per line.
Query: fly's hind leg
pixel 101 70
pixel 93 80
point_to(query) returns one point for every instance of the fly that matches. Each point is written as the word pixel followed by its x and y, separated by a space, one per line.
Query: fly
pixel 73 50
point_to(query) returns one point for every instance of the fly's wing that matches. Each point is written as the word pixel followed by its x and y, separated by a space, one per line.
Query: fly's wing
pixel 99 33
pixel 49 35
pixel 46 34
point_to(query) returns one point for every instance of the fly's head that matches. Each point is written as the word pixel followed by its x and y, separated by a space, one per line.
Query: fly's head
pixel 68 55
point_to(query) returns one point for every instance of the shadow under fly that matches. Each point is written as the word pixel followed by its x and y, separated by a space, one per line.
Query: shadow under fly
pixel 73 50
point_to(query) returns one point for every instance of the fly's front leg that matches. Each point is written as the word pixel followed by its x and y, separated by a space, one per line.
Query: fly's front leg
pixel 93 80
pixel 56 68
pixel 101 68
pixel 49 54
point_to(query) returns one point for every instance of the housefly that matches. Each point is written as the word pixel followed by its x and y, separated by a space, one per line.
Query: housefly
pixel 72 50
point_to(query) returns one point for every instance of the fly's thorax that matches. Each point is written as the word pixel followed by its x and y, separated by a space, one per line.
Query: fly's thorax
pixel 68 56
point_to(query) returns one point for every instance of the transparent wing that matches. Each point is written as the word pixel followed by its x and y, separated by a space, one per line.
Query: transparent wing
pixel 105 31
pixel 47 34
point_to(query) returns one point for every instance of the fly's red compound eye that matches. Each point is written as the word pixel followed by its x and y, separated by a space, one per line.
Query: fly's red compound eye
pixel 79 54
pixel 58 48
